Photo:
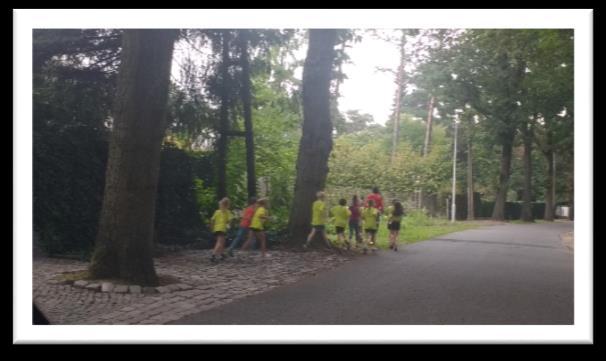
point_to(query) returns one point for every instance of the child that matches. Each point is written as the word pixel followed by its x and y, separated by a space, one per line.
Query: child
pixel 257 226
pixel 219 224
pixel 247 215
pixel 377 200
pixel 341 215
pixel 395 214
pixel 369 217
pixel 354 219
pixel 318 220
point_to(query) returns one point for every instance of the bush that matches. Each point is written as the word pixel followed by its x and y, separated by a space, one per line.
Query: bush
pixel 178 203
pixel 69 179
pixel 513 210
pixel 69 176
pixel 417 218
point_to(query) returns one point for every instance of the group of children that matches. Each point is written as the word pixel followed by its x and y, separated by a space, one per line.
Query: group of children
pixel 357 216
pixel 252 225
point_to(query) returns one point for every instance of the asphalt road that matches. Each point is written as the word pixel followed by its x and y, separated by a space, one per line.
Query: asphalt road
pixel 504 275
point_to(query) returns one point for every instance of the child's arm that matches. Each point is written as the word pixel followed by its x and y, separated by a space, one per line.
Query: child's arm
pixel 212 221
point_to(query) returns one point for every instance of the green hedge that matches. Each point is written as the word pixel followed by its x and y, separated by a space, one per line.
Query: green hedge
pixel 513 210
pixel 69 177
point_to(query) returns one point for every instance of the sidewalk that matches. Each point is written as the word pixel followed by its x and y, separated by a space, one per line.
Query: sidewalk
pixel 568 240
pixel 202 286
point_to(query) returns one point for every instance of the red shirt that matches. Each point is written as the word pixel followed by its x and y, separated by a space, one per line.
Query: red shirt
pixel 377 199
pixel 247 217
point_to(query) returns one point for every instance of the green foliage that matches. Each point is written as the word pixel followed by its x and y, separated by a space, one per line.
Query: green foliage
pixel 417 218
pixel 69 175
pixel 362 160
pixel 180 196
pixel 205 200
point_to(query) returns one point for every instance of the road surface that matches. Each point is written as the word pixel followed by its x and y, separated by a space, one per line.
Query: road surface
pixel 510 274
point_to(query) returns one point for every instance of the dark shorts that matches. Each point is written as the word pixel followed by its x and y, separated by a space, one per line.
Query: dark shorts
pixel 256 230
pixel 340 230
pixel 319 228
pixel 219 233
pixel 371 231
pixel 393 226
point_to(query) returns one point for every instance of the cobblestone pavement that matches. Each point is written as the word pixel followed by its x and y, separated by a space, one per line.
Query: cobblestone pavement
pixel 213 285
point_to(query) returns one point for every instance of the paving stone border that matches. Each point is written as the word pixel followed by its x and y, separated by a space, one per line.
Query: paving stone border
pixel 120 288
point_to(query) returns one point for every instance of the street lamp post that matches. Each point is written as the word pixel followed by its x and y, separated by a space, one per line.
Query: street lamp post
pixel 454 169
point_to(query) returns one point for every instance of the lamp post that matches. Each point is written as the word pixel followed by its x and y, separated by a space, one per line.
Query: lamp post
pixel 454 167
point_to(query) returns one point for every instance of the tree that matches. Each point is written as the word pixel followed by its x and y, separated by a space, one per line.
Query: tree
pixel 224 117
pixel 251 182
pixel 551 102
pixel 488 69
pixel 123 246
pixel 316 139
pixel 400 84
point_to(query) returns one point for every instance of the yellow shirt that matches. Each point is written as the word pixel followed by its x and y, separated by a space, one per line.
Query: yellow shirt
pixel 258 218
pixel 341 214
pixel 393 218
pixel 220 220
pixel 318 214
pixel 369 217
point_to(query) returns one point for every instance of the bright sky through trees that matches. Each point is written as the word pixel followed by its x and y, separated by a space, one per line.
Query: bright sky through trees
pixel 365 89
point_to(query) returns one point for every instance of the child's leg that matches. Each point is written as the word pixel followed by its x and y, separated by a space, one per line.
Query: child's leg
pixel 248 240
pixel 220 238
pixel 262 240
pixel 310 236
pixel 237 240
pixel 342 239
pixel 220 245
pixel 366 240
pixel 325 237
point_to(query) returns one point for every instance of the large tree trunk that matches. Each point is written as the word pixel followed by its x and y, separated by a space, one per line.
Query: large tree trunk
pixel 224 119
pixel 316 140
pixel 399 90
pixel 470 201
pixel 248 127
pixel 550 186
pixel 526 214
pixel 124 241
pixel 498 213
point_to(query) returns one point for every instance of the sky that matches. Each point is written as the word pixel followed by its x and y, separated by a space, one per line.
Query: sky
pixel 365 88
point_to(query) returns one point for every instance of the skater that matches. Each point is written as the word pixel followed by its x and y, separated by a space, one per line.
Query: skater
pixel 243 230
pixel 369 219
pixel 354 220
pixel 395 213
pixel 318 220
pixel 341 216
pixel 219 223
